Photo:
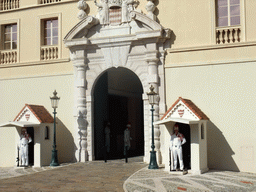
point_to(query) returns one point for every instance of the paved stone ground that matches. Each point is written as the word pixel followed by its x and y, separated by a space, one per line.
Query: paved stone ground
pixel 90 176
pixel 162 181
pixel 116 175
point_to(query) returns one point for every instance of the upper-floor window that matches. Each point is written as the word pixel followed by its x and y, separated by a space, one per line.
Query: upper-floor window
pixel 228 13
pixel 10 36
pixel 228 21
pixel 51 32
pixel 50 38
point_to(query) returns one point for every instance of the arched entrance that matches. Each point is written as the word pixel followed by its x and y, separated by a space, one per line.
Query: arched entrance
pixel 118 100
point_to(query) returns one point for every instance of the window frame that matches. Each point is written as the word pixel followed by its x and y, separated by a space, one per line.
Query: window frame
pixel 11 41
pixel 213 9
pixel 40 32
pixel 228 14
pixel 8 22
pixel 44 33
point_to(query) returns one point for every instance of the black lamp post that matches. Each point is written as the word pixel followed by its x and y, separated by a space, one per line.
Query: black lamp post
pixel 55 101
pixel 152 100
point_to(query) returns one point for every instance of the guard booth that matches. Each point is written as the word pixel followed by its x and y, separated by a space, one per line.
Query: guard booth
pixel 39 125
pixel 193 125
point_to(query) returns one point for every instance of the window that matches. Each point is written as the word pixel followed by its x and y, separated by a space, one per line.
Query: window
pixel 202 131
pixel 51 32
pixel 229 19
pixel 46 133
pixel 10 36
pixel 228 13
pixel 50 39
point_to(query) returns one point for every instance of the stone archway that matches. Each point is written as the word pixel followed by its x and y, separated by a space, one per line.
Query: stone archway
pixel 117 97
pixel 137 45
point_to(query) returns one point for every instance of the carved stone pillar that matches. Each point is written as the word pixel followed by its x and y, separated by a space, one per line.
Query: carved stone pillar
pixel 79 62
pixel 153 79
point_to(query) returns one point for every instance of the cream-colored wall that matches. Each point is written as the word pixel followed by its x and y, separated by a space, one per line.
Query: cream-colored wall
pixel 217 78
pixel 225 93
pixel 46 145
pixel 193 23
pixel 203 147
pixel 250 22
pixel 37 90
pixel 190 21
pixel 8 147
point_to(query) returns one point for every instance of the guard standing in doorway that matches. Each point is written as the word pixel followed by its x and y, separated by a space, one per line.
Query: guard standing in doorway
pixel 25 139
pixel 177 140
pixel 127 138
pixel 107 137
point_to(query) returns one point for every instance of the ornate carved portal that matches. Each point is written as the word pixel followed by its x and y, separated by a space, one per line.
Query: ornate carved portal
pixel 137 44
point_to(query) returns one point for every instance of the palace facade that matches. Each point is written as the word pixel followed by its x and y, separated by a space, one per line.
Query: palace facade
pixel 102 57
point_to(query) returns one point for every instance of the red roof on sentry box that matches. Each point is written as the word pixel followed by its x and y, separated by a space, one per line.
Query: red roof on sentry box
pixel 40 113
pixel 191 106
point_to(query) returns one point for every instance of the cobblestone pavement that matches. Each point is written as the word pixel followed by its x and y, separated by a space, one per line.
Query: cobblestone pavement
pixel 116 175
pixel 162 181
pixel 77 177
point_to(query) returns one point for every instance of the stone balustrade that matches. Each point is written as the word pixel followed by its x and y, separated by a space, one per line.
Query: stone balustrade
pixel 9 4
pixel 49 1
pixel 8 57
pixel 228 35
pixel 49 52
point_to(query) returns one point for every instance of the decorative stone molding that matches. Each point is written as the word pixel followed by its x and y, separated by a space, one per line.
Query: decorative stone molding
pixel 82 6
pixel 78 57
pixel 80 30
pixel 132 47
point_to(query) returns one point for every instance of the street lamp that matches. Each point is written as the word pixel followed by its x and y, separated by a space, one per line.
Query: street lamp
pixel 54 101
pixel 152 100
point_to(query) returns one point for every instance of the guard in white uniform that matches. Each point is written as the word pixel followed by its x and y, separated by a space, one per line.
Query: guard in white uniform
pixel 25 139
pixel 127 138
pixel 177 139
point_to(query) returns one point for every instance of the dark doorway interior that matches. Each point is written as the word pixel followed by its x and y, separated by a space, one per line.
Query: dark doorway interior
pixel 30 131
pixel 186 149
pixel 118 100
pixel 118 116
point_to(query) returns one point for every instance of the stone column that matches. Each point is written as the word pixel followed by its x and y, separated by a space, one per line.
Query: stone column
pixel 79 62
pixel 153 79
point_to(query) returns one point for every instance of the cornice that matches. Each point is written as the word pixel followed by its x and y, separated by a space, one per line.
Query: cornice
pixel 222 62
pixel 211 47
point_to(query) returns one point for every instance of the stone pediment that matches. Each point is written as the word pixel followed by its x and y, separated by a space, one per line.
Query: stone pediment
pixel 184 111
pixel 140 26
